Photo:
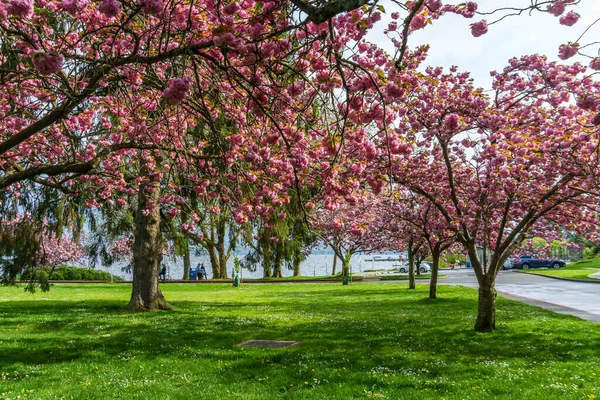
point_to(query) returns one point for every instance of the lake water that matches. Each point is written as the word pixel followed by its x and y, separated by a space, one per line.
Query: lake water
pixel 314 265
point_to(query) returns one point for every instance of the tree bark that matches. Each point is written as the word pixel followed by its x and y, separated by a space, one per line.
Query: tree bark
pixel 434 274
pixel 346 269
pixel 214 261
pixel 411 267
pixel 187 263
pixel 486 312
pixel 267 260
pixel 221 231
pixel 277 262
pixel 333 269
pixel 297 257
pixel 147 252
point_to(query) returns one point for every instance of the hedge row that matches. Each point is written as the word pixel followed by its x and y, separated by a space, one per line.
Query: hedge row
pixel 73 274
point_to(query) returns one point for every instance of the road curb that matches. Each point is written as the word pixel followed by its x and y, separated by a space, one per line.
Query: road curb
pixel 558 277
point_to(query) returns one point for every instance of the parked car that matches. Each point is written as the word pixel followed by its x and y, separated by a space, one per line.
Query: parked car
pixel 423 268
pixel 526 262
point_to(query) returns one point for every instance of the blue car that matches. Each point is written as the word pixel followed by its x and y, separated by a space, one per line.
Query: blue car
pixel 526 262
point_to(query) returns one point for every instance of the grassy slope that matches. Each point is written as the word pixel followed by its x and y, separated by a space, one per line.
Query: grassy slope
pixel 579 270
pixel 368 340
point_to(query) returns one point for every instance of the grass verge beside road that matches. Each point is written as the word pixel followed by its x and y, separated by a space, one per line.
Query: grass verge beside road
pixel 368 340
pixel 578 271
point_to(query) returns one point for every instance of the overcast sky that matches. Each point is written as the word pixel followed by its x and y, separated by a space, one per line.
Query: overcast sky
pixel 452 43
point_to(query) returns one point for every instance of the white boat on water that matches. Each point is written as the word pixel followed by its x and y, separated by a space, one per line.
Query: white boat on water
pixel 387 257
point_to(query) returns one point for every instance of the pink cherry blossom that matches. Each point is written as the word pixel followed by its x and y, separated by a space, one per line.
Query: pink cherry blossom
pixel 177 91
pixel 110 8
pixel 20 8
pixel 451 122
pixel 419 21
pixel 556 8
pixel 595 64
pixel 479 28
pixel 152 7
pixel 47 64
pixel 70 6
pixel 569 19
pixel 232 8
pixel 586 102
pixel 566 51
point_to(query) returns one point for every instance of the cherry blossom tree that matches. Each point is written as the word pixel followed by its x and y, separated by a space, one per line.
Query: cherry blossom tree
pixel 499 166
pixel 347 229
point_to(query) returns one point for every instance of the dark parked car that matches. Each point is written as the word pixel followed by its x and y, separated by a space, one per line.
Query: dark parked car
pixel 526 262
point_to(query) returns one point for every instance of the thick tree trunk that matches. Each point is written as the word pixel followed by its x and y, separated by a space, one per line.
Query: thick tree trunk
pixel 214 261
pixel 222 265
pixel 333 269
pixel 345 272
pixel 277 264
pixel 222 229
pixel 411 267
pixel 434 275
pixel 297 257
pixel 187 263
pixel 346 269
pixel 267 259
pixel 147 252
pixel 486 312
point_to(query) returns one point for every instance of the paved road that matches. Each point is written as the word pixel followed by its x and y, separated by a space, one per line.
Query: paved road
pixel 573 298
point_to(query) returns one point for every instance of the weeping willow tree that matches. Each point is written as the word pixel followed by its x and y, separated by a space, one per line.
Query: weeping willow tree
pixel 39 211
pixel 281 242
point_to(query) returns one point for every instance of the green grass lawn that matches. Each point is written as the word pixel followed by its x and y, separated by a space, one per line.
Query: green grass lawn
pixel 579 270
pixel 368 340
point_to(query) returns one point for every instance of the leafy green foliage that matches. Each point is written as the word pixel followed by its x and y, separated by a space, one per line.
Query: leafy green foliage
pixel 71 274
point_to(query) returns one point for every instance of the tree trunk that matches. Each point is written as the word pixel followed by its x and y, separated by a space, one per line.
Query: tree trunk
pixel 333 269
pixel 267 259
pixel 418 267
pixel 297 257
pixel 486 312
pixel 187 263
pixel 346 269
pixel 214 261
pixel 147 252
pixel 278 260
pixel 434 275
pixel 221 230
pixel 411 267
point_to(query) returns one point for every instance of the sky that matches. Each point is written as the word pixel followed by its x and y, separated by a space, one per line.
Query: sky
pixel 452 43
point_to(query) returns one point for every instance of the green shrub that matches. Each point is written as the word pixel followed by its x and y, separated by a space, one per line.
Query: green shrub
pixel 67 273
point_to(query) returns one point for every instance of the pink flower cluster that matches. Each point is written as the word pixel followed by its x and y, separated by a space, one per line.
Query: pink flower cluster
pixel 178 90
pixel 556 8
pixel 566 51
pixel 595 64
pixel 419 21
pixel 232 8
pixel 479 28
pixel 70 6
pixel 451 122
pixel 569 19
pixel 110 8
pixel 47 64
pixel 20 8
pixel 153 7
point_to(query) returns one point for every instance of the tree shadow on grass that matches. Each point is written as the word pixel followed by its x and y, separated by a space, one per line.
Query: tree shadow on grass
pixel 385 329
